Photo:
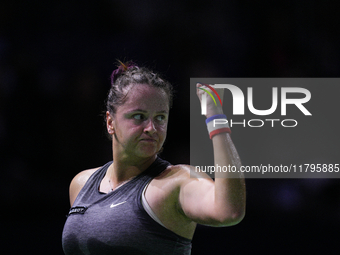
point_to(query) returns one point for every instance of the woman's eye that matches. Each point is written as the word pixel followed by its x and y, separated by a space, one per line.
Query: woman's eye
pixel 160 117
pixel 138 116
pixel 142 117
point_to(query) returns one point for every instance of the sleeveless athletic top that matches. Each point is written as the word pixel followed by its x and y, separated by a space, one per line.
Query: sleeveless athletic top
pixel 117 223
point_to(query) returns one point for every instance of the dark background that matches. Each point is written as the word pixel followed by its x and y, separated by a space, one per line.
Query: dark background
pixel 55 63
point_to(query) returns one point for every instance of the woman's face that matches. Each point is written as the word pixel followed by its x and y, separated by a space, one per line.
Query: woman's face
pixel 139 125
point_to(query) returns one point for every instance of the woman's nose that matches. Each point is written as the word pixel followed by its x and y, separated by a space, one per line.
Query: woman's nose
pixel 150 127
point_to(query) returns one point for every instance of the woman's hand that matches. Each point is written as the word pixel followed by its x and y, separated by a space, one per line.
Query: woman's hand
pixel 212 108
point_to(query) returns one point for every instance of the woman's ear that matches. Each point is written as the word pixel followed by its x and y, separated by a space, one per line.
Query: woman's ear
pixel 109 123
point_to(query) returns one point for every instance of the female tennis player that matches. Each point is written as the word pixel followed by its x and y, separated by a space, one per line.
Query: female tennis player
pixel 139 203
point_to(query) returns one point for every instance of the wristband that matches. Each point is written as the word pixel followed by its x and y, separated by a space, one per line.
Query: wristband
pixel 217 116
pixel 217 124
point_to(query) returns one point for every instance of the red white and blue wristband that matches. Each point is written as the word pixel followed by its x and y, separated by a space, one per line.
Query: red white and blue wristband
pixel 217 124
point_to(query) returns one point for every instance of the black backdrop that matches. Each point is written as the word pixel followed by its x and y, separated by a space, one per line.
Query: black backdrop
pixel 55 62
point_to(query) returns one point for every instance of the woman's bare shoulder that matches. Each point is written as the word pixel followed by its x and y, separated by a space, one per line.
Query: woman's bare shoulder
pixel 79 181
pixel 82 177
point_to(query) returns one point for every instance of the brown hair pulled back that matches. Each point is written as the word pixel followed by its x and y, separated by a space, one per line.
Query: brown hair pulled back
pixel 130 74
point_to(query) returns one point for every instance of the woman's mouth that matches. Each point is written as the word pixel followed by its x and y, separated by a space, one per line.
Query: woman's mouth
pixel 149 140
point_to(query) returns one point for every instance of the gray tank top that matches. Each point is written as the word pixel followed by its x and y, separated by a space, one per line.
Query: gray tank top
pixel 116 223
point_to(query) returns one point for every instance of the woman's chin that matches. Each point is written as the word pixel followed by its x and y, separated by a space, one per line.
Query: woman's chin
pixel 147 151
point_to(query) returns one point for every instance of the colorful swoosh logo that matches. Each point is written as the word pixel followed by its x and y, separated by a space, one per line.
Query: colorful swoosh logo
pixel 213 90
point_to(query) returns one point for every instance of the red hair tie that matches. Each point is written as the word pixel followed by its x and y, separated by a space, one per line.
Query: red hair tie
pixel 123 67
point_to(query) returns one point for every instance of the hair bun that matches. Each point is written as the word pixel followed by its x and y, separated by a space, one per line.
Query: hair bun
pixel 122 67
